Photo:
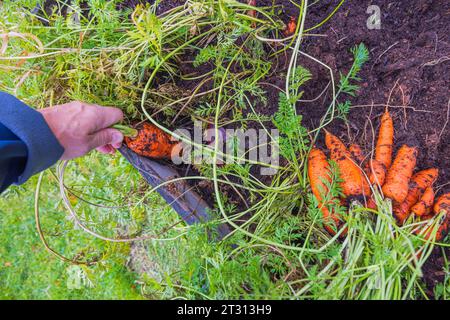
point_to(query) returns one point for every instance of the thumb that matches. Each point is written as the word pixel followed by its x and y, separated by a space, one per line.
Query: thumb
pixel 107 136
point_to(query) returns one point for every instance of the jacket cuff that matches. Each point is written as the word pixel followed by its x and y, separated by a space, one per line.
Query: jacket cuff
pixel 29 125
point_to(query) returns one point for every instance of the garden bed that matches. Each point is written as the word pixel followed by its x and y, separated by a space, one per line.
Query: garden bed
pixel 408 71
pixel 411 47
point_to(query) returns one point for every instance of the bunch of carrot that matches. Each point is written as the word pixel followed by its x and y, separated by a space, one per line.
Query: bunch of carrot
pixel 411 193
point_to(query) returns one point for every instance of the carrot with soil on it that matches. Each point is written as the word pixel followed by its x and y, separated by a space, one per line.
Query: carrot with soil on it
pixel 319 174
pixel 385 141
pixel 424 206
pixel 356 152
pixel 400 173
pixel 417 186
pixel 353 181
pixel 290 28
pixel 441 205
pixel 377 172
pixel 374 169
pixel 371 204
pixel 358 155
pixel 151 142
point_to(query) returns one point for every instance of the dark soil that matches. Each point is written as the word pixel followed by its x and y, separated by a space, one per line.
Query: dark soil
pixel 409 62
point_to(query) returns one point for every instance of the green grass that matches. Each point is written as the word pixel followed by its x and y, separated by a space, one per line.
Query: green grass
pixel 28 271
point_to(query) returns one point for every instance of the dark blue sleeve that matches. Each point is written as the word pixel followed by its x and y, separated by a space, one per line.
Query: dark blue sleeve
pixel 27 145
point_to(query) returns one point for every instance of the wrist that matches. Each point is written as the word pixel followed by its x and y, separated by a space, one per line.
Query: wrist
pixel 49 119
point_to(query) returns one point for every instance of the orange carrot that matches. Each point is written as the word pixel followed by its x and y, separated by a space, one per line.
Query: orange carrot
pixel 371 204
pixel 398 176
pixel 373 168
pixel 290 27
pixel 151 142
pixel 424 205
pixel 353 181
pixel 383 149
pixel 417 186
pixel 319 175
pixel 441 205
pixel 377 172
pixel 356 152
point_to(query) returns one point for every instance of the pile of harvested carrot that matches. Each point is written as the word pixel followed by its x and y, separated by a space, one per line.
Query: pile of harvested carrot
pixel 289 28
pixel 411 193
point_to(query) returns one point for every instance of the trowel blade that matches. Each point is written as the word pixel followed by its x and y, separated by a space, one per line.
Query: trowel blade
pixel 179 194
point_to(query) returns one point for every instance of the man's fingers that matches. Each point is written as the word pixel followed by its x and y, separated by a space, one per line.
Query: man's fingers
pixel 104 137
pixel 107 116
pixel 106 149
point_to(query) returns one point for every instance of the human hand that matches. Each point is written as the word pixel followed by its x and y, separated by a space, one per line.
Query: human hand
pixel 81 127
